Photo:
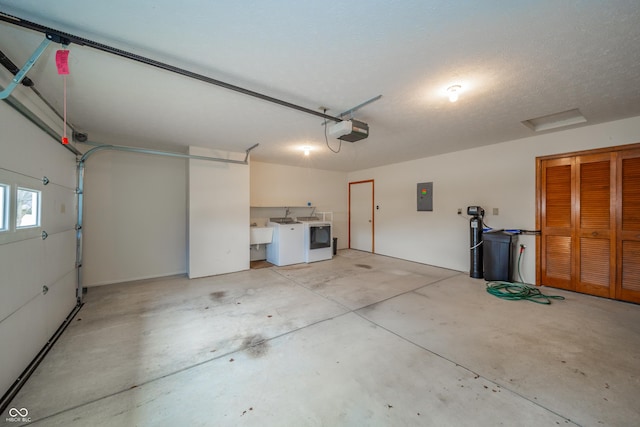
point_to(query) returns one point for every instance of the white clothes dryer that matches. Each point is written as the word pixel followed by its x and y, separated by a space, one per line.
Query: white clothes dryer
pixel 317 239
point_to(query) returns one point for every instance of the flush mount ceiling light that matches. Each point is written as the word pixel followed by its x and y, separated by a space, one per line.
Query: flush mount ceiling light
pixel 306 149
pixel 453 92
pixel 554 121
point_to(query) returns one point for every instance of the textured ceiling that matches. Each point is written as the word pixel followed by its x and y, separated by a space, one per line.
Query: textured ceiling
pixel 516 60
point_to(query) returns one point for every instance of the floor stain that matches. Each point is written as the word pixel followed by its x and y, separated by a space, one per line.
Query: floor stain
pixel 295 267
pixel 368 267
pixel 217 295
pixel 255 345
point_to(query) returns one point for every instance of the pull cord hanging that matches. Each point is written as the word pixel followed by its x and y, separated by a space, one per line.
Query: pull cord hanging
pixel 65 140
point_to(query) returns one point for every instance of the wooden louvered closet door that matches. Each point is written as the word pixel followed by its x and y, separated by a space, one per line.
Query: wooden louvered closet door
pixel 589 220
pixel 628 221
pixel 595 208
pixel 557 226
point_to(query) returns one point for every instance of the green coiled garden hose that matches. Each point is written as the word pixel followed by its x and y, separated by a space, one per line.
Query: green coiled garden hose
pixel 519 290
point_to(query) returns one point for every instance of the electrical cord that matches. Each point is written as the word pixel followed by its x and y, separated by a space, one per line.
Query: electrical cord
pixel 327 139
pixel 513 291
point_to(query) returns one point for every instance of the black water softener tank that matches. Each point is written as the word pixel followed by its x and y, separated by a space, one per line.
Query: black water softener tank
pixel 475 230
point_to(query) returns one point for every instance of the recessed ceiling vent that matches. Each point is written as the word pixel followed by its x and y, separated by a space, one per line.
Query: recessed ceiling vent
pixel 554 121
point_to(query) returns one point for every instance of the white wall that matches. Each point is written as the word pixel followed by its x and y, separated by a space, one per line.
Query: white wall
pixel 28 318
pixel 280 186
pixel 135 223
pixel 134 217
pixel 218 214
pixel 498 176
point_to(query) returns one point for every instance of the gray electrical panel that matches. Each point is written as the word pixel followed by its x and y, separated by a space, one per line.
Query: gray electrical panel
pixel 425 196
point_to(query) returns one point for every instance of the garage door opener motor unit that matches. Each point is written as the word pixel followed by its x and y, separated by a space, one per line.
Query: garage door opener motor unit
pixel 349 130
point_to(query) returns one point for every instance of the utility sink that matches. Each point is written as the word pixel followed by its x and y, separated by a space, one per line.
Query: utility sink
pixel 260 235
pixel 283 220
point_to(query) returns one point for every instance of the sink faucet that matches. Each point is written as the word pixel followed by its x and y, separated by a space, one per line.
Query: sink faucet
pixel 287 211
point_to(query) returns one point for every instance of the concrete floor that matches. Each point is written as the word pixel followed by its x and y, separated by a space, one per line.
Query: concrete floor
pixel 359 340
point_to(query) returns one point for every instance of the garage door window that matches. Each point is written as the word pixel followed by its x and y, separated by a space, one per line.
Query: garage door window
pixel 28 208
pixel 4 207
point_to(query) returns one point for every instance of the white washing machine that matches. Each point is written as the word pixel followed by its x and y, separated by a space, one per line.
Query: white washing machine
pixel 287 244
pixel 317 239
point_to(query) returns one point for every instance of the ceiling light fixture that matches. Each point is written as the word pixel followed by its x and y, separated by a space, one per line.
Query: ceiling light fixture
pixel 306 150
pixel 453 92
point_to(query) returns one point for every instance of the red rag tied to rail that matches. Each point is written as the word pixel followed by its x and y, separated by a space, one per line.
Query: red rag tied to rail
pixel 62 63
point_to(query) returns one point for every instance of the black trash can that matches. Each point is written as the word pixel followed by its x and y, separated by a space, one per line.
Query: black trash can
pixel 335 246
pixel 498 256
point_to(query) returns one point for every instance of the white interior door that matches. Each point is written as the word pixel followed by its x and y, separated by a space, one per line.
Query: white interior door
pixel 361 216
